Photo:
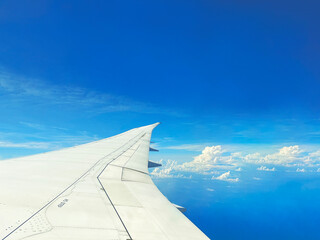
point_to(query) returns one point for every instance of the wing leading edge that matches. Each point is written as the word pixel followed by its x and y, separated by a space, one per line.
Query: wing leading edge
pixel 100 190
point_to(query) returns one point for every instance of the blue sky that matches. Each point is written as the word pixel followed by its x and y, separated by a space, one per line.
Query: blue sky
pixel 234 83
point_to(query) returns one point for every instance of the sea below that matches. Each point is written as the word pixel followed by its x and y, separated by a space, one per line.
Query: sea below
pixel 260 206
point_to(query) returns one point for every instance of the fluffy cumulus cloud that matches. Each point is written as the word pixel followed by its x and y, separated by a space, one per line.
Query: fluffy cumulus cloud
pixel 300 170
pixel 315 154
pixel 252 157
pixel 225 177
pixel 210 158
pixel 264 168
pixel 287 156
pixel 167 170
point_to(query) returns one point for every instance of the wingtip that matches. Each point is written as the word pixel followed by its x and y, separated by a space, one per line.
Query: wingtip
pixel 155 124
pixel 151 126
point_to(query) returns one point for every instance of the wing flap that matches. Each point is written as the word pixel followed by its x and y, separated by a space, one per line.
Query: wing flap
pixel 144 211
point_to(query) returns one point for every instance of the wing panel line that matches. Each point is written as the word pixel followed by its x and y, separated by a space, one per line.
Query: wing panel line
pixel 107 193
pixel 75 182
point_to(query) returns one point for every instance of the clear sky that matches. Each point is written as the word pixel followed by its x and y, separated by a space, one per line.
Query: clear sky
pixel 236 85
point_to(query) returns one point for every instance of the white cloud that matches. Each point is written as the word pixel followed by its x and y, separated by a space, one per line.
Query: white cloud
pixel 236 154
pixel 167 170
pixel 53 143
pixel 27 145
pixel 256 178
pixel 210 158
pixel 264 168
pixel 210 154
pixel 286 156
pixel 36 92
pixel 33 125
pixel 210 189
pixel 225 177
pixel 252 158
pixel 189 147
pixel 213 159
pixel 300 170
pixel 315 154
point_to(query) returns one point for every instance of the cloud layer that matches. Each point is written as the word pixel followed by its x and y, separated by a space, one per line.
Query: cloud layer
pixel 222 164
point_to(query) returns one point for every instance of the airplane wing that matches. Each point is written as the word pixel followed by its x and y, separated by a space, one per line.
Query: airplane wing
pixel 98 191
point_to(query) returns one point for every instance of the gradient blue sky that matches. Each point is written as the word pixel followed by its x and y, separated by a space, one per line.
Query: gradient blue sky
pixel 241 78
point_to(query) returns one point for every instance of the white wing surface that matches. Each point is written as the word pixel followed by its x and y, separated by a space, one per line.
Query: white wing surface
pixel 98 191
